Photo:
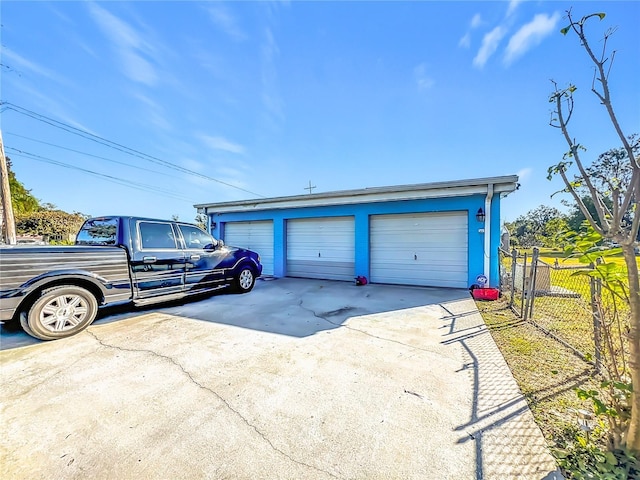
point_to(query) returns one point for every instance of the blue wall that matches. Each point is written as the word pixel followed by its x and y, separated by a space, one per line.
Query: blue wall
pixel 361 213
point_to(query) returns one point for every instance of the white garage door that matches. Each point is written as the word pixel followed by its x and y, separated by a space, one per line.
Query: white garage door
pixel 321 248
pixel 428 249
pixel 256 236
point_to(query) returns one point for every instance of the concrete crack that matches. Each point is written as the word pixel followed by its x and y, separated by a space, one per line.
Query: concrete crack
pixel 217 395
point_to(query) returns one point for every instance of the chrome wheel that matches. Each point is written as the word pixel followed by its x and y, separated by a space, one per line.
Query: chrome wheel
pixel 60 312
pixel 63 312
pixel 245 280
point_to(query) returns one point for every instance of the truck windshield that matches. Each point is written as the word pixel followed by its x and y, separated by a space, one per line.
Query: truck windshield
pixel 98 231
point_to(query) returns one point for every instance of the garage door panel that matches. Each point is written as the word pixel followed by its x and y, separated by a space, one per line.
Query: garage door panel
pixel 428 276
pixel 324 270
pixel 256 236
pixel 427 249
pixel 321 248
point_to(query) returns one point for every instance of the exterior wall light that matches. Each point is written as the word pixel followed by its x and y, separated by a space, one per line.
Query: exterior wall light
pixel 213 225
pixel 480 215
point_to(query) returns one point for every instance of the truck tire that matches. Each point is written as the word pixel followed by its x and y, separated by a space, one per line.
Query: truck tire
pixel 245 280
pixel 60 312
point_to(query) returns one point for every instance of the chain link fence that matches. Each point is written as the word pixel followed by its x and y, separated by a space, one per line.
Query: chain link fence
pixel 559 299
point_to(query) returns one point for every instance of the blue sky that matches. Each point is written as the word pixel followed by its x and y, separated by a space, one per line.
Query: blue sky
pixel 226 101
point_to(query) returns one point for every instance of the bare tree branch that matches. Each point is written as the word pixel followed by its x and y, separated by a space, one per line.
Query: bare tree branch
pixel 597 201
pixel 585 211
pixel 605 97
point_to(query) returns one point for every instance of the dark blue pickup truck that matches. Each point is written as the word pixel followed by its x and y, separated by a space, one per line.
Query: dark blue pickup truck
pixel 55 291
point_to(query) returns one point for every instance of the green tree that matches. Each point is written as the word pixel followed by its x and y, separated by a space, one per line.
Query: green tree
pixel 610 172
pixel 54 224
pixel 21 198
pixel 575 218
pixel 201 221
pixel 33 217
pixel 609 222
pixel 542 227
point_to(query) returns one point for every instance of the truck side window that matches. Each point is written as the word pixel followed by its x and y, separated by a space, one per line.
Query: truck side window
pixel 156 235
pixel 98 231
pixel 196 238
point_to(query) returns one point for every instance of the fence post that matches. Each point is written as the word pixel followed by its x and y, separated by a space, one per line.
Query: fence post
pixel 596 293
pixel 530 288
pixel 524 285
pixel 514 261
pixel 534 278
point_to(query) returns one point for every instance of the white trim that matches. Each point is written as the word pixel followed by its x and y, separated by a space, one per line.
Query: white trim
pixel 504 184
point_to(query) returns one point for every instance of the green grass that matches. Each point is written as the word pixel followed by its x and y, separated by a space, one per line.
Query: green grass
pixel 569 317
pixel 549 255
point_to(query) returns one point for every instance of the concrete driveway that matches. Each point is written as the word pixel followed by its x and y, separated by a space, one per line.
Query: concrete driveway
pixel 298 379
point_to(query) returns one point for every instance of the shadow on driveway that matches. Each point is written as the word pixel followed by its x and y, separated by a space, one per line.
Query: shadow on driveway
pixel 286 306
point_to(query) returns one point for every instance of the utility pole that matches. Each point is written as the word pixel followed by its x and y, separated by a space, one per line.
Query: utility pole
pixel 8 221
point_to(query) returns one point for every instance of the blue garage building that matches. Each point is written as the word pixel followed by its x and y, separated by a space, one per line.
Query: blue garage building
pixel 441 234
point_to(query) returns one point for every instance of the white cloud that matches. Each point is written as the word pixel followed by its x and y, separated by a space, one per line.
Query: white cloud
pixel 271 98
pixel 60 15
pixel 489 45
pixel 119 31
pixel 530 35
pixel 524 173
pixel 476 21
pixel 17 62
pixel 56 108
pixel 154 111
pixel 129 44
pixel 513 5
pixel 221 143
pixel 424 81
pixel 137 68
pixel 76 40
pixel 223 19
pixel 465 41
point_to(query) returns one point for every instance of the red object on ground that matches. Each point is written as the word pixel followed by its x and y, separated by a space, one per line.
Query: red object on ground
pixel 485 293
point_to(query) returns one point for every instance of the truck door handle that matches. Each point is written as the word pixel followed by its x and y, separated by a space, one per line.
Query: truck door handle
pixel 149 259
pixel 194 257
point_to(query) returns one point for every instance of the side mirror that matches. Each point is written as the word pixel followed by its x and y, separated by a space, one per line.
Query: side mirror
pixel 215 244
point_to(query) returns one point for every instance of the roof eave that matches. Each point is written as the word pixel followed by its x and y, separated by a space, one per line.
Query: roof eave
pixel 502 184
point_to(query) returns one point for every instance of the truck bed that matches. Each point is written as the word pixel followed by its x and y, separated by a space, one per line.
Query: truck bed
pixel 29 265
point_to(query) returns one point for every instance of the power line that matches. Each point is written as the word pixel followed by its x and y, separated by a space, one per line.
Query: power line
pixel 88 154
pixel 121 181
pixel 114 145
